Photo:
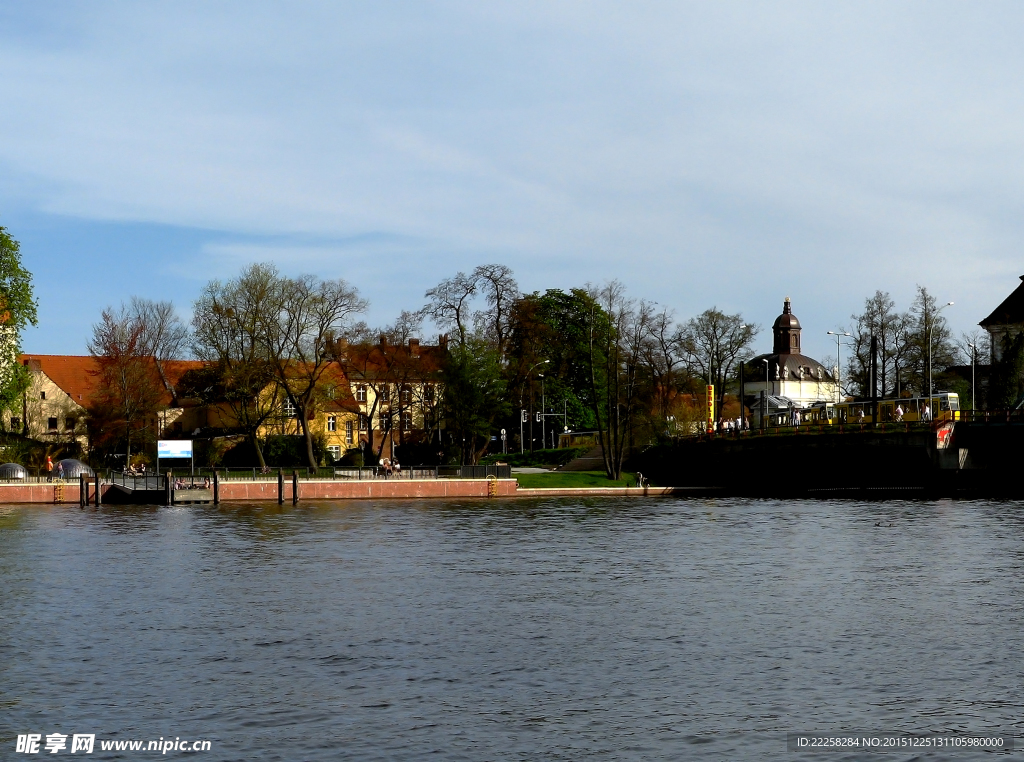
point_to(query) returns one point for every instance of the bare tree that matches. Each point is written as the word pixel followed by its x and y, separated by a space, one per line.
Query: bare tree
pixel 929 340
pixel 164 335
pixel 890 329
pixel 311 315
pixel 616 328
pixel 500 290
pixel 662 359
pixel 450 304
pixel 130 388
pixel 231 323
pixel 711 343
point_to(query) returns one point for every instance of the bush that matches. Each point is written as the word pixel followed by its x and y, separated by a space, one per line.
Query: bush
pixel 279 451
pixel 557 457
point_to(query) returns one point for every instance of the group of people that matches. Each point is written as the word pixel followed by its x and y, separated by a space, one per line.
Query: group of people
pixel 389 467
pixel 730 425
pixel 179 483
pixel 926 412
pixel 49 469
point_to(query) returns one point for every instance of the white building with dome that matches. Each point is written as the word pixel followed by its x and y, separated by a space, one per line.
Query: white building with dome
pixel 791 379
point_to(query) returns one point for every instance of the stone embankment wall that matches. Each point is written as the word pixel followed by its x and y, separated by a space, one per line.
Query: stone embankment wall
pixel 980 460
pixel 37 493
pixel 356 490
pixel 368 489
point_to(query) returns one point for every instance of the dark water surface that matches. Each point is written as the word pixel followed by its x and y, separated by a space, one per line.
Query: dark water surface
pixel 606 629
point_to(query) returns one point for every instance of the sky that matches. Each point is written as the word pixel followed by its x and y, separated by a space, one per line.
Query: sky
pixel 704 154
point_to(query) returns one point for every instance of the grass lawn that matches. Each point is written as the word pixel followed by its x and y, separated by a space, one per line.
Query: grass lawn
pixel 573 479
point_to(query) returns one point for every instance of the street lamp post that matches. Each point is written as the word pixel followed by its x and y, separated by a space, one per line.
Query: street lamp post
pixel 974 355
pixel 931 326
pixel 839 362
pixel 764 407
pixel 543 416
pixel 529 375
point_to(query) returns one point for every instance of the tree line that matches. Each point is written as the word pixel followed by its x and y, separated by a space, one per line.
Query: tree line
pixel 592 358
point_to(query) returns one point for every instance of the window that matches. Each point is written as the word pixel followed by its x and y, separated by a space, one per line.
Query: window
pixel 330 390
pixel 70 423
pixel 335 451
pixel 15 424
pixel 51 424
pixel 348 432
pixel 332 423
pixel 42 395
pixel 406 421
pixel 428 394
pixel 385 421
pixel 361 393
pixel 288 409
pixel 363 422
pixel 406 395
pixel 383 394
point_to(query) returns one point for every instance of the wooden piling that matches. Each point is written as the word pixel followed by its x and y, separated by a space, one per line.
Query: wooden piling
pixel 169 486
pixel 99 499
pixel 216 488
pixel 280 486
pixel 295 487
pixel 83 491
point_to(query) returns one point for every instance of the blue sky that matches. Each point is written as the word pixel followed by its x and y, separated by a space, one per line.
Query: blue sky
pixel 725 154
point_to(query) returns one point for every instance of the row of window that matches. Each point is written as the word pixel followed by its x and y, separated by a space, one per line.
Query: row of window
pixel 51 424
pixel 405 422
pixel 384 394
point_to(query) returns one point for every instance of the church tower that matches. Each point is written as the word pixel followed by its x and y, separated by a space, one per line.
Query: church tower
pixel 787 332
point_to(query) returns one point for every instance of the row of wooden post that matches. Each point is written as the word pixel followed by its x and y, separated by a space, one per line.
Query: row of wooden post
pixel 216 488
pixel 280 487
pixel 83 490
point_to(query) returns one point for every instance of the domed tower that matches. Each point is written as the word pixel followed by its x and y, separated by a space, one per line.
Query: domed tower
pixel 787 332
pixel 790 379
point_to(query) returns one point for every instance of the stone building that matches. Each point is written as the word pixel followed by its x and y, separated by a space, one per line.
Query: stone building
pixel 1006 321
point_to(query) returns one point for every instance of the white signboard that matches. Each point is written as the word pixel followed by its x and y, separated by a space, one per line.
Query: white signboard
pixel 174 448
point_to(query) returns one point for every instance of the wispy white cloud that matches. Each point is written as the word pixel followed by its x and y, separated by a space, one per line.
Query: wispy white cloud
pixel 725 153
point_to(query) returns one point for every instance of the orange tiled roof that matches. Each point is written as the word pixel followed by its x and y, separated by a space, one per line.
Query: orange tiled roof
pixel 79 376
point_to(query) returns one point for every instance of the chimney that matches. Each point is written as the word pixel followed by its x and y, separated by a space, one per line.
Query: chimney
pixel 414 347
pixel 442 342
pixel 383 339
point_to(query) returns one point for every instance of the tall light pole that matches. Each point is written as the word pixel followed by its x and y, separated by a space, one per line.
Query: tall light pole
pixel 839 362
pixel 764 408
pixel 974 355
pixel 543 416
pixel 931 325
pixel 529 375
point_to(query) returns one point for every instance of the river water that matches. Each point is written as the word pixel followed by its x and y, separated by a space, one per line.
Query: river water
pixel 568 629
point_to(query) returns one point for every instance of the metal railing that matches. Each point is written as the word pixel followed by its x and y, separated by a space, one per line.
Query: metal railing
pixel 150 480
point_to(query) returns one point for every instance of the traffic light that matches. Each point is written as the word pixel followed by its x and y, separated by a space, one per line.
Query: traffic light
pixel 525 417
pixel 538 416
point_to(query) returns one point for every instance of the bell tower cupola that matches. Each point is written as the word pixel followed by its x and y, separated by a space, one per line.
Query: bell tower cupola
pixel 786 332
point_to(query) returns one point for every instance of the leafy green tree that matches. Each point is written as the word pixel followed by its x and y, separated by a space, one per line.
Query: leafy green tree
pixel 18 310
pixel 474 397
pixel 552 326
